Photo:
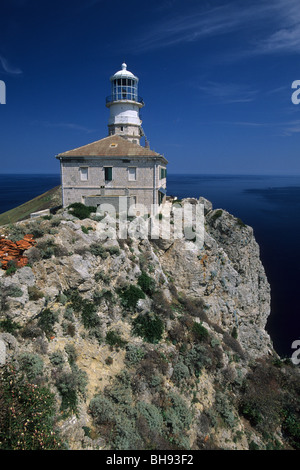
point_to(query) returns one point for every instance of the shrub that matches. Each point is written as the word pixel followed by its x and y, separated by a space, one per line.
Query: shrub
pixel 177 417
pixel 261 398
pixel 114 339
pixel 26 414
pixel 146 283
pixel 36 229
pixel 68 328
pixel 105 294
pixel 148 326
pixel 14 291
pixel 199 332
pixel 130 296
pixel 196 358
pixel 68 314
pixel 102 410
pixel 161 305
pixel 69 384
pixel 225 409
pixel 71 352
pixel 35 293
pixel 101 276
pixel 11 267
pixel 31 330
pixel 113 250
pixel 194 307
pixel 180 373
pixel 46 321
pixel 126 434
pixel 251 412
pixel 47 249
pixel 32 365
pixel 89 315
pixel 152 415
pixel 98 250
pixel 75 299
pixel 86 229
pixel 291 428
pixel 16 233
pixel 216 214
pixel 80 210
pixel 240 223
pixel 9 326
pixel 120 392
pixel 57 359
pixel 133 354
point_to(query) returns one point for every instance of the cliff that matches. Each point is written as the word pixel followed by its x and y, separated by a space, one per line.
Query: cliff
pixel 149 344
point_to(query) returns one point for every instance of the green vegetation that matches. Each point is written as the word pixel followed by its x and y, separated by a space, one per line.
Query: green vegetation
pixel 98 250
pixel 114 339
pixel 32 364
pixel 149 326
pixel 80 210
pixel 200 332
pixel 35 293
pixel 128 423
pixel 9 326
pixel 130 296
pixel 27 416
pixel 86 229
pixel 216 214
pixel 146 283
pixel 70 385
pixel 46 321
pixel 134 354
pixel 240 223
pixel 88 309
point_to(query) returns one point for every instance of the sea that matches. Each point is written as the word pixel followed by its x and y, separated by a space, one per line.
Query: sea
pixel 270 204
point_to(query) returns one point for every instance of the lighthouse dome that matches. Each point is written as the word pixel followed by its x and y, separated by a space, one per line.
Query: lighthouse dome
pixel 124 73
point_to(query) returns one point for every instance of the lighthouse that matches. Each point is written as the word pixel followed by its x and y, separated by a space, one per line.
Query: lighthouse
pixel 124 104
pixel 116 166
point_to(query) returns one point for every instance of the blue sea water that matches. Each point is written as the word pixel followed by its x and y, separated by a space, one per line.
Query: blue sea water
pixel 270 204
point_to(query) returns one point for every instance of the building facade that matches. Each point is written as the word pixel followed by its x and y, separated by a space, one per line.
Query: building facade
pixel 117 165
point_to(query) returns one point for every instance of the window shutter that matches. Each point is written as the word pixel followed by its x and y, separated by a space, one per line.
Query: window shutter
pixel 131 174
pixel 83 174
pixel 108 173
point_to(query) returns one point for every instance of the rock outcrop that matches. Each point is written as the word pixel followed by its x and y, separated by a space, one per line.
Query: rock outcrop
pixel 164 332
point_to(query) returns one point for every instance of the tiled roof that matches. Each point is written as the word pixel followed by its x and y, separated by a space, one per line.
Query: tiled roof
pixel 112 146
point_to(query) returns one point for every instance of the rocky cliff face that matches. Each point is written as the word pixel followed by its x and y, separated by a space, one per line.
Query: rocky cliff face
pixel 168 340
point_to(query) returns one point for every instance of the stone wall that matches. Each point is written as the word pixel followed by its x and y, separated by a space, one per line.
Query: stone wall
pixel 77 190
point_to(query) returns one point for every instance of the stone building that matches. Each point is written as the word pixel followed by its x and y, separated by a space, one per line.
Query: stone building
pixel 117 165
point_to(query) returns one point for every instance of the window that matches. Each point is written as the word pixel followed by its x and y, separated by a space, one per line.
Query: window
pixel 163 173
pixel 108 173
pixel 131 174
pixel 83 173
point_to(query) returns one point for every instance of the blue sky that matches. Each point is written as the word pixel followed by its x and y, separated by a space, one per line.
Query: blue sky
pixel 216 78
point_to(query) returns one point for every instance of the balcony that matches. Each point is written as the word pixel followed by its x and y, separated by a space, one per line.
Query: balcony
pixel 124 97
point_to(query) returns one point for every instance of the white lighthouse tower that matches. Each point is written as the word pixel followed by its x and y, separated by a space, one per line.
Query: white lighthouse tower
pixel 124 105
